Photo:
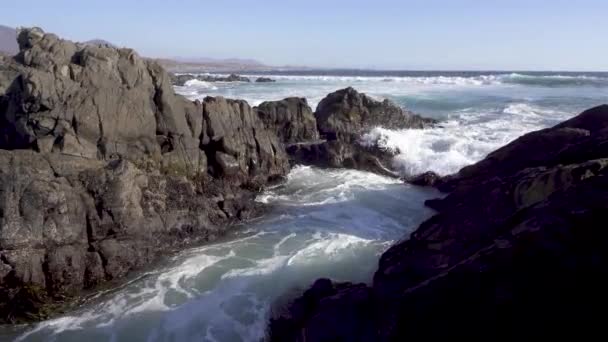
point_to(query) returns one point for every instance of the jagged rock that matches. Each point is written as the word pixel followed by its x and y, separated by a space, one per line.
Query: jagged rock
pixel 264 80
pixel 90 101
pixel 518 248
pixel 291 119
pixel 180 80
pixel 346 114
pixel 343 117
pixel 243 150
pixel 103 168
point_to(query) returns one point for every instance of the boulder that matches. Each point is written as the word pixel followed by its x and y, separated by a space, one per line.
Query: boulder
pixel 517 249
pixel 346 114
pixel 343 117
pixel 291 119
pixel 180 80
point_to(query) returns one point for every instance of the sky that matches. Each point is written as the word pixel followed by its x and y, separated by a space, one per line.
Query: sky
pixel 379 34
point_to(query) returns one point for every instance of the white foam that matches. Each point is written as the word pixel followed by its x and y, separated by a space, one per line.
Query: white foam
pixel 460 142
pixel 198 84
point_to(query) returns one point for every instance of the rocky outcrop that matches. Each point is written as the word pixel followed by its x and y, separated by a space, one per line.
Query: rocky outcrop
pixel 343 117
pixel 180 80
pixel 238 146
pixel 103 168
pixel 264 80
pixel 291 119
pixel 518 249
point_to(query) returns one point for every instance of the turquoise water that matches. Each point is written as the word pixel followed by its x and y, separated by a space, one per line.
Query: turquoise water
pixel 323 223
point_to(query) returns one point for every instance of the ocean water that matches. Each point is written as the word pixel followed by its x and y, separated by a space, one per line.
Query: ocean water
pixel 323 223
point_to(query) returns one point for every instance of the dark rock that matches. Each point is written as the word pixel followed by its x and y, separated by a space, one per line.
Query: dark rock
pixel 264 80
pixel 247 151
pixel 346 114
pixel 345 313
pixel 103 169
pixel 429 178
pixel 343 117
pixel 518 249
pixel 335 154
pixel 180 80
pixel 291 119
pixel 232 78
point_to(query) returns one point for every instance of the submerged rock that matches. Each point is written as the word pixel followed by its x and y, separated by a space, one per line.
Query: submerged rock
pixel 103 168
pixel 181 80
pixel 518 248
pixel 429 178
pixel 264 80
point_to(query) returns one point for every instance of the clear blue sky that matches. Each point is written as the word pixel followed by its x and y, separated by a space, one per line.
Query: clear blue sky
pixel 395 34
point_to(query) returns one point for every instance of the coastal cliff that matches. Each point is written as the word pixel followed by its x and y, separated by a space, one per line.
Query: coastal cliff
pixel 517 250
pixel 104 169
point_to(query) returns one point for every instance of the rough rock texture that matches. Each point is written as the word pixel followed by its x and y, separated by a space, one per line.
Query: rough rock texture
pixel 237 144
pixel 518 250
pixel 264 80
pixel 343 117
pixel 291 119
pixel 103 169
pixel 180 80
pixel 428 178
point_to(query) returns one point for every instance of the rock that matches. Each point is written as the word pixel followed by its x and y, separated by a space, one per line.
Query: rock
pixel 90 101
pixel 103 169
pixel 291 119
pixel 429 178
pixel 518 248
pixel 346 114
pixel 264 80
pixel 181 80
pixel 547 147
pixel 343 117
pixel 233 78
pixel 248 152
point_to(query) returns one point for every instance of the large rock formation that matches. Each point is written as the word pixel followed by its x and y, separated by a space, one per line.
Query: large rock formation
pixel 292 119
pixel 517 250
pixel 103 168
pixel 343 117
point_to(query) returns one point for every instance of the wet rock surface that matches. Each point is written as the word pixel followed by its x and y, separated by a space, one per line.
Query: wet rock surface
pixel 103 169
pixel 332 136
pixel 517 249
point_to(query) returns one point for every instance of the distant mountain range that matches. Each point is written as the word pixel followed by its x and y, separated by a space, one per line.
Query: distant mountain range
pixel 9 46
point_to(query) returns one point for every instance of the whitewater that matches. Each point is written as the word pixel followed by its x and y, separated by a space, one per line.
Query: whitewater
pixel 322 223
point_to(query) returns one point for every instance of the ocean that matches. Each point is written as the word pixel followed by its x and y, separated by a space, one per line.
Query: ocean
pixel 323 223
